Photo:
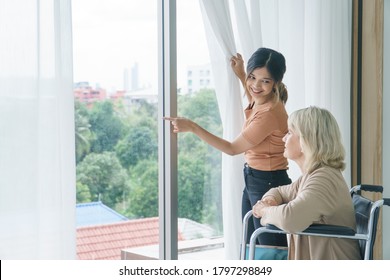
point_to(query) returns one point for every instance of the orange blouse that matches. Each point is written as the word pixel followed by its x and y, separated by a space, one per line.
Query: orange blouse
pixel 265 126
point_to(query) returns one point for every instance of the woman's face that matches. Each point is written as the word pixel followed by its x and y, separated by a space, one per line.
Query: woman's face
pixel 260 84
pixel 292 146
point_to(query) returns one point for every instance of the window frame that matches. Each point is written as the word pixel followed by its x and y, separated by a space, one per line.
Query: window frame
pixel 167 106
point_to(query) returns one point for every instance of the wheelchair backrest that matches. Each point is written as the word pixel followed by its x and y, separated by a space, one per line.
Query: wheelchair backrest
pixel 363 214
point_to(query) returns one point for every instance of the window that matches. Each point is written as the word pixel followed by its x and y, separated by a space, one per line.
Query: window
pixel 116 126
pixel 199 165
pixel 117 132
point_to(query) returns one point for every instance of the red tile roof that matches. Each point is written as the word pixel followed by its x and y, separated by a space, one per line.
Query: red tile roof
pixel 105 242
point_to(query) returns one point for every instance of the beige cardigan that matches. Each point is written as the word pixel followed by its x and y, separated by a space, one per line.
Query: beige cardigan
pixel 319 197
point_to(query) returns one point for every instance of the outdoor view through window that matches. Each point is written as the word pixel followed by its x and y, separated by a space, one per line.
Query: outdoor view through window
pixel 115 49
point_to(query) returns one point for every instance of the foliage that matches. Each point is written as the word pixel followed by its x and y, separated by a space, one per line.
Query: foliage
pixel 202 108
pixel 104 176
pixel 143 197
pixel 199 163
pixel 121 165
pixel 191 186
pixel 106 126
pixel 83 133
pixel 82 193
pixel 140 143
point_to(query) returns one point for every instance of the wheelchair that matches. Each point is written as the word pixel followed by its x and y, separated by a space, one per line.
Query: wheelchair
pixel 366 214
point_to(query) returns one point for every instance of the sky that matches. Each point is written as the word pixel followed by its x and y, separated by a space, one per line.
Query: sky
pixel 111 35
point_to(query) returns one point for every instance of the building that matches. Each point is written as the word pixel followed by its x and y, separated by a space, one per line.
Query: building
pixel 131 78
pixel 106 241
pixel 84 93
pixel 199 77
pixel 96 213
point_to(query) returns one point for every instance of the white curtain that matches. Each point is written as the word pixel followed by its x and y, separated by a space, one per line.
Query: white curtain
pixel 221 44
pixel 315 38
pixel 37 150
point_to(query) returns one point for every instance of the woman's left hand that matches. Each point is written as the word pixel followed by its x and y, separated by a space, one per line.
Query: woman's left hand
pixel 259 207
pixel 237 64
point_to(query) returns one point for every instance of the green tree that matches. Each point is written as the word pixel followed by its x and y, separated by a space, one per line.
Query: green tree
pixel 143 198
pixel 82 193
pixel 140 135
pixel 104 176
pixel 128 179
pixel 201 107
pixel 199 163
pixel 106 125
pixel 191 186
pixel 140 143
pixel 82 131
pixel 141 114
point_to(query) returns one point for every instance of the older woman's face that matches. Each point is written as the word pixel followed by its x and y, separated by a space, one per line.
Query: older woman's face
pixel 292 146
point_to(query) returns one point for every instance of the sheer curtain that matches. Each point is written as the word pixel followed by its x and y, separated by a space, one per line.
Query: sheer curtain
pixel 314 36
pixel 221 44
pixel 37 165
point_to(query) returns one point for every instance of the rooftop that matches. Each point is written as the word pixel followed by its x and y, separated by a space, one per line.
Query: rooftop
pixel 104 234
pixel 96 213
pixel 105 242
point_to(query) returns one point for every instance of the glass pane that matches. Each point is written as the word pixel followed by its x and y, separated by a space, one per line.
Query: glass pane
pixel 115 88
pixel 199 165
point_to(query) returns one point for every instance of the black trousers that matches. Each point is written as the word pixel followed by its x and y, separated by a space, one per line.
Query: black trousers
pixel 257 183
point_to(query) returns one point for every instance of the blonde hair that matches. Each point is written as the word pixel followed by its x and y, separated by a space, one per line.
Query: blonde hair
pixel 320 138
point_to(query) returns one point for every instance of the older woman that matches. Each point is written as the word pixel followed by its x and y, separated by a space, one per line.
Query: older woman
pixel 320 195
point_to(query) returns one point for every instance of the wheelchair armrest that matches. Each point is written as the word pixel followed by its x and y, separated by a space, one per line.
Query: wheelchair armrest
pixel 322 229
pixel 330 229
pixel 272 227
pixel 371 188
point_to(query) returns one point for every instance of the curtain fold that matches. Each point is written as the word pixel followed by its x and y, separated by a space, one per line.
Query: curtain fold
pixel 327 62
pixel 37 153
pixel 315 38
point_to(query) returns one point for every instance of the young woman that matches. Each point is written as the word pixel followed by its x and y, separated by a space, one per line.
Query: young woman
pixel 262 133
pixel 320 195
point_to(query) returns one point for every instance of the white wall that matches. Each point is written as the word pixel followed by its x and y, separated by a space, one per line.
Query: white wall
pixel 386 129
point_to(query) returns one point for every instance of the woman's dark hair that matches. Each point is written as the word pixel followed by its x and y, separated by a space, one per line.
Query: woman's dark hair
pixel 276 65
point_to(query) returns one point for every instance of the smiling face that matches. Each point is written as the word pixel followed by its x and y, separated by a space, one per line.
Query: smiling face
pixel 260 85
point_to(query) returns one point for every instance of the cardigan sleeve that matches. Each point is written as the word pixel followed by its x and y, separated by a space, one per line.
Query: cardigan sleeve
pixel 304 203
pixel 284 194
